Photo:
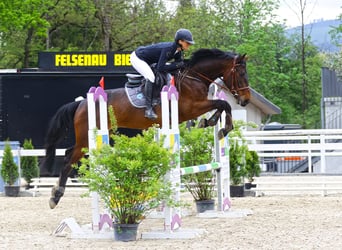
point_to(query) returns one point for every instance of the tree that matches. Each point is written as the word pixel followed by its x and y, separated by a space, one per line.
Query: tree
pixel 9 170
pixel 334 60
pixel 29 164
pixel 278 65
pixel 72 27
pixel 21 22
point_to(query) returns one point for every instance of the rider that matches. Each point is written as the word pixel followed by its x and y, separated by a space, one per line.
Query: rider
pixel 160 53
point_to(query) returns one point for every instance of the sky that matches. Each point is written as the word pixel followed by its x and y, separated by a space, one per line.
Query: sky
pixel 290 10
pixel 315 10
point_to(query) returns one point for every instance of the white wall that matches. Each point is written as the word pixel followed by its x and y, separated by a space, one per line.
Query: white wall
pixel 249 113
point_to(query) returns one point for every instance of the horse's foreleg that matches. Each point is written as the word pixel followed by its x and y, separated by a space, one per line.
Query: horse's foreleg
pixel 212 121
pixel 221 106
pixel 214 118
pixel 228 126
pixel 203 123
pixel 58 190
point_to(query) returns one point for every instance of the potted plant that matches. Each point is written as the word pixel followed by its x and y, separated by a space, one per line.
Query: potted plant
pixel 253 168
pixel 29 164
pixel 129 177
pixel 237 168
pixel 238 151
pixel 9 172
pixel 197 147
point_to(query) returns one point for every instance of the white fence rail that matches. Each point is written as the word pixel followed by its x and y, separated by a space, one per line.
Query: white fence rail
pixel 298 184
pixel 33 152
pixel 281 151
pixel 286 151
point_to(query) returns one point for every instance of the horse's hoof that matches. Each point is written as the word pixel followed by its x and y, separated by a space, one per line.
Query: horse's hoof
pixel 222 133
pixel 53 191
pixel 52 203
pixel 202 123
pixel 212 122
pixel 56 194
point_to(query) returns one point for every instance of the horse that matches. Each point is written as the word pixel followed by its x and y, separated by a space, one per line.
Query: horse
pixel 203 68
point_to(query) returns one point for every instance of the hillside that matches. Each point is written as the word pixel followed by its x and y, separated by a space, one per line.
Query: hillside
pixel 319 32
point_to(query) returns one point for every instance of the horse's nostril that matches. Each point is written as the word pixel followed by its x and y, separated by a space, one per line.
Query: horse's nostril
pixel 245 103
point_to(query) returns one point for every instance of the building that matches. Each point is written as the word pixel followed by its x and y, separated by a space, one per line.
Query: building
pixel 331 104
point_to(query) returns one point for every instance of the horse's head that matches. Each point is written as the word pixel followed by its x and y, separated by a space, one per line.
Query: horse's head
pixel 236 79
pixel 209 64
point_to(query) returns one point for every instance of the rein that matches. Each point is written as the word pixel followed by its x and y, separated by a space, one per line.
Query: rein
pixel 209 80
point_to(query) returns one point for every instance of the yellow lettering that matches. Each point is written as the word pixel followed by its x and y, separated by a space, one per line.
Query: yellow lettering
pixel 87 60
pixel 117 60
pixel 73 60
pixel 95 60
pixel 57 60
pixel 103 60
pixel 122 60
pixel 82 60
pixel 64 60
pixel 128 60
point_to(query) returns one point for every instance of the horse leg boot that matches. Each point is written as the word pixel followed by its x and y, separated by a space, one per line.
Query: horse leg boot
pixel 149 113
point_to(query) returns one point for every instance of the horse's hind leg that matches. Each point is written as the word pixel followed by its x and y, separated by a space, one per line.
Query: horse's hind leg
pixel 58 190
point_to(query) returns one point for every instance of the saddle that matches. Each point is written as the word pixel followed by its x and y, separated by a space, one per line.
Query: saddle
pixel 134 88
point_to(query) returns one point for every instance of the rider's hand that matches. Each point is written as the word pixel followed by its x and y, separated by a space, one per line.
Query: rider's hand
pixel 180 65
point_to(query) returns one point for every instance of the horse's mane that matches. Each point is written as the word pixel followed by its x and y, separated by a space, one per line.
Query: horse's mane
pixel 202 54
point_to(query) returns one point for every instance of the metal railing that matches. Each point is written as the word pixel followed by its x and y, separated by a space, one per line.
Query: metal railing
pixel 334 120
pixel 287 151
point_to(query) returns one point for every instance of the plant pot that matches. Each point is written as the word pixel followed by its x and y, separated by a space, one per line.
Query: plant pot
pixel 236 191
pixel 205 205
pixel 125 232
pixel 12 191
pixel 249 185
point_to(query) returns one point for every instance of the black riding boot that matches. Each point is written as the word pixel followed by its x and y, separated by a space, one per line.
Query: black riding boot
pixel 149 113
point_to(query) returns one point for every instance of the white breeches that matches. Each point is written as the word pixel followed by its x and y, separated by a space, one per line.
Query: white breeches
pixel 142 67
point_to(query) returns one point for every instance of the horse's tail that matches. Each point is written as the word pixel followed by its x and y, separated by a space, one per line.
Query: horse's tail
pixel 58 128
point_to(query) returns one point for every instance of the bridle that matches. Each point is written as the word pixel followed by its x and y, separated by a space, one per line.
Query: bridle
pixel 234 87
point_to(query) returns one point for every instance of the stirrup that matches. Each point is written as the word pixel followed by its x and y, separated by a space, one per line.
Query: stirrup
pixel 149 113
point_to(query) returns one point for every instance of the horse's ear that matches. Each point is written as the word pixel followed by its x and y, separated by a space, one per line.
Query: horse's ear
pixel 244 57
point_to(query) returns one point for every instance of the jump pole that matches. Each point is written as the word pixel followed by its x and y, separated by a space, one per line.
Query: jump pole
pixel 224 204
pixel 172 216
pixel 170 129
pixel 222 156
pixel 96 138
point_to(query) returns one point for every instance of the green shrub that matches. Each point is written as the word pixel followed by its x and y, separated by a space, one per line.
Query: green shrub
pixel 197 147
pixel 9 170
pixel 252 165
pixel 29 164
pixel 238 152
pixel 129 176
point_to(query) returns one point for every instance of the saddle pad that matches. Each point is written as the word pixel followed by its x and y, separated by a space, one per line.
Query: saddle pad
pixel 136 96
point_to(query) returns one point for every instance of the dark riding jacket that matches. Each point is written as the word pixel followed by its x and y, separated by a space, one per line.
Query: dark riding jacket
pixel 161 53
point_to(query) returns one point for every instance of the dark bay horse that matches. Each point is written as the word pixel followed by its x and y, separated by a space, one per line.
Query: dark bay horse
pixel 203 68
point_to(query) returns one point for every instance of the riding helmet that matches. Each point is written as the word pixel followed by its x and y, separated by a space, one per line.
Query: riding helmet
pixel 184 34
